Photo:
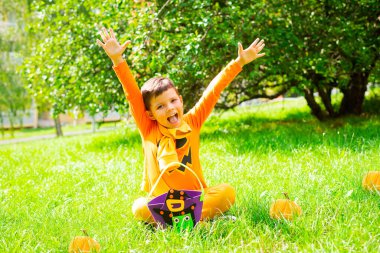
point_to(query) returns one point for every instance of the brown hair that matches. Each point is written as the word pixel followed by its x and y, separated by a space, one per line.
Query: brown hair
pixel 155 87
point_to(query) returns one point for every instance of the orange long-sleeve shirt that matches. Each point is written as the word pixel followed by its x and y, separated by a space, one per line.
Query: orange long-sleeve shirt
pixel 187 148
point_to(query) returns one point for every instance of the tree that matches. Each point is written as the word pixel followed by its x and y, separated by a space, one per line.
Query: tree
pixel 313 47
pixel 14 100
pixel 337 43
pixel 190 41
pixel 65 69
pixel 310 49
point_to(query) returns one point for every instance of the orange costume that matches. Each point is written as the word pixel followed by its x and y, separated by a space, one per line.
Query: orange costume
pixel 218 199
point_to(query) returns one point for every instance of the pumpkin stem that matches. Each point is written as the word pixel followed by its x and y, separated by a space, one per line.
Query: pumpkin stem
pixel 84 232
pixel 286 195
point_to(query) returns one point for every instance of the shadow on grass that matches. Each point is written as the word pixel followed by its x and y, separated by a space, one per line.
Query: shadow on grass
pixel 254 134
pixel 248 133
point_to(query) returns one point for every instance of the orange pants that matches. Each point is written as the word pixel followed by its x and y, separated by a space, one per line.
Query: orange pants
pixel 217 200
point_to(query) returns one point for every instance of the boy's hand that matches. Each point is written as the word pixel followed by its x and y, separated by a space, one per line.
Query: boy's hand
pixel 112 47
pixel 251 53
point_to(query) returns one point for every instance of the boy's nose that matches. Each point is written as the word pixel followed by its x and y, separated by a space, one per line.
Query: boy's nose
pixel 169 107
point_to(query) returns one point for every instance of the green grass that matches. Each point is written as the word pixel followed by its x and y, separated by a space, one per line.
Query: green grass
pixel 30 132
pixel 50 189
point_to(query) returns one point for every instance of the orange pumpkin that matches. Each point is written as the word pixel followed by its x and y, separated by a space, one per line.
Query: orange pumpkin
pixel 371 181
pixel 284 209
pixel 81 244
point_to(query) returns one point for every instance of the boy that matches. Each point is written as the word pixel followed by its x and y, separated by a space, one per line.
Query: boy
pixel 168 135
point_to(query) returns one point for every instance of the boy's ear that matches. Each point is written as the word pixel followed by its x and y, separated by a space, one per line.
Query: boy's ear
pixel 150 115
pixel 180 97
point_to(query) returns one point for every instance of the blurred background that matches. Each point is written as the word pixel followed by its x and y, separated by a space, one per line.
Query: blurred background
pixel 53 73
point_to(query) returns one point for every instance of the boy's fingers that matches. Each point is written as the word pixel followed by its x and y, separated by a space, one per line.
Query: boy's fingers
pixel 254 43
pixel 240 48
pixel 100 43
pixel 105 33
pixel 112 34
pixel 260 55
pixel 260 43
pixel 261 47
pixel 126 44
pixel 102 35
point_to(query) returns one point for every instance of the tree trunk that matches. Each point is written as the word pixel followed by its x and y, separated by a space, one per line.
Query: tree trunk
pixel 2 124
pixel 58 126
pixel 316 109
pixel 21 120
pixel 11 123
pixel 352 102
pixel 93 123
pixel 325 94
pixel 35 113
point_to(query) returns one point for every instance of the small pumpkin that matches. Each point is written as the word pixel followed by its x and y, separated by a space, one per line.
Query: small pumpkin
pixel 371 181
pixel 81 244
pixel 284 209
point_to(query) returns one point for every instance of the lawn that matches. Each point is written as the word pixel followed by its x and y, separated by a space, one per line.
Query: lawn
pixel 26 133
pixel 50 189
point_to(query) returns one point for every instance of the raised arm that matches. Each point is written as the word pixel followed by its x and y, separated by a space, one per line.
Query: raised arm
pixel 132 92
pixel 199 113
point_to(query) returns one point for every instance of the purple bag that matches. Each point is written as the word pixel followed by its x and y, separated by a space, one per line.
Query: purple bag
pixel 180 209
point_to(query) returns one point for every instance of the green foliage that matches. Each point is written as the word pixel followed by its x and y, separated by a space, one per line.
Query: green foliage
pixel 322 45
pixel 66 184
pixel 326 37
pixel 372 103
pixel 67 68
pixel 14 99
pixel 191 41
pixel 311 46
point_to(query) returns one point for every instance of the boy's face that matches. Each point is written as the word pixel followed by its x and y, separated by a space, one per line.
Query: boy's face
pixel 167 109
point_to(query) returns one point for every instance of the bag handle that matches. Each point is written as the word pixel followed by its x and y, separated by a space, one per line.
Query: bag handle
pixel 170 165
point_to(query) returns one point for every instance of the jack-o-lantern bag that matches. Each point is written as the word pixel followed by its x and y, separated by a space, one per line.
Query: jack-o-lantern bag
pixel 180 209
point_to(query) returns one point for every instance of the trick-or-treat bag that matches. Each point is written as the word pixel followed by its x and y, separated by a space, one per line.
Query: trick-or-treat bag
pixel 180 209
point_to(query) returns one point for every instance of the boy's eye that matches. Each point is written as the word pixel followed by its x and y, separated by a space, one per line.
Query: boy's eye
pixel 174 100
pixel 159 107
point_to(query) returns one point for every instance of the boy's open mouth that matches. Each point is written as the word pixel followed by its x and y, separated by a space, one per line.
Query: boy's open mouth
pixel 173 119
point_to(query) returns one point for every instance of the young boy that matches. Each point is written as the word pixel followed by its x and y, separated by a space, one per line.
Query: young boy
pixel 170 135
